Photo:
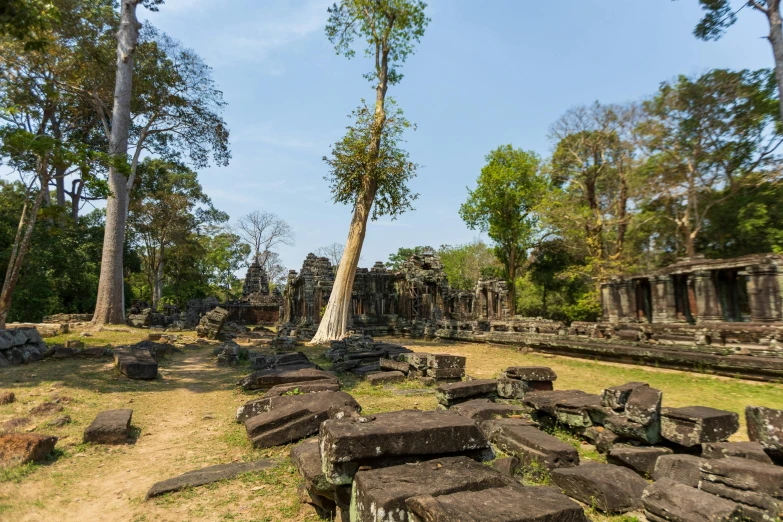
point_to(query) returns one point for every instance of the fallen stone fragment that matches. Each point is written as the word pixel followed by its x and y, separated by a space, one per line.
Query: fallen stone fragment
pixel 446 373
pixel 629 430
pixel 512 388
pixel 491 427
pixel 578 410
pixel 758 507
pixel 644 405
pixel 445 361
pixel 21 448
pixel 744 474
pixel 46 408
pixel 135 364
pixel 616 396
pixel 609 488
pixel 506 466
pixel 307 459
pixel 765 426
pixel 109 427
pixel 667 500
pixel 416 359
pixel 484 409
pixel 303 387
pixel 745 450
pixel 640 459
pixel 265 379
pixel 380 378
pixel 530 444
pixel 695 425
pixel 531 373
pixel 508 504
pixel 294 417
pixel 14 424
pixel 455 392
pixel 394 438
pixel 685 469
pixel 207 475
pixel 380 494
pixel 7 397
pixel 392 365
pixel 59 422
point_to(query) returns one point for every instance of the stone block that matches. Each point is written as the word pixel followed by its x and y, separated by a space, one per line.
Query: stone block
pixel 135 364
pixel 609 488
pixel 392 365
pixel 765 426
pixel 640 459
pixel 207 475
pixel 303 387
pixel 579 410
pixel 483 409
pixel 695 425
pixel 307 459
pixel 416 359
pixel 746 450
pixel 265 379
pixel 512 388
pixel 744 474
pixel 396 437
pixel 506 466
pixel 530 444
pixel 379 495
pixel 755 506
pixel 445 373
pixel 515 503
pixel 7 397
pixel 109 427
pixel 667 500
pixel 380 378
pixel 629 430
pixel 21 448
pixel 293 417
pixel 531 373
pixel 616 396
pixel 456 392
pixel 684 469
pixel 644 405
pixel 443 361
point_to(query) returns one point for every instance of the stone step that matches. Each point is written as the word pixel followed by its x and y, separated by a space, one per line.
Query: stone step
pixel 110 427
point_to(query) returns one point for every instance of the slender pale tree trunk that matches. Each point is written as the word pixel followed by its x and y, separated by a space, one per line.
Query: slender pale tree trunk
pixel 512 275
pixel 110 306
pixel 157 287
pixel 24 234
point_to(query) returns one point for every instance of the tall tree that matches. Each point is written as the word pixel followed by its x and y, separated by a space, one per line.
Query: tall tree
pixel 702 136
pixel 264 231
pixel 507 190
pixel 167 206
pixel 720 15
pixel 403 253
pixel 176 109
pixel 465 264
pixel 368 167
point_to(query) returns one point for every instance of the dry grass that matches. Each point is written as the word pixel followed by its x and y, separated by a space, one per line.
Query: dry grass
pixel 184 420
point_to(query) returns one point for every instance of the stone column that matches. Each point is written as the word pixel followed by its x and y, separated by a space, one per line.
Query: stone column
pixel 662 296
pixel 627 301
pixel 706 295
pixel 764 293
pixel 608 304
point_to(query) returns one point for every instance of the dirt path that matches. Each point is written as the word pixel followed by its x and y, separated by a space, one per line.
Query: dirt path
pixel 185 421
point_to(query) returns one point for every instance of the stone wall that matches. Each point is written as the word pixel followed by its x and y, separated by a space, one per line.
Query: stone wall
pixel 21 346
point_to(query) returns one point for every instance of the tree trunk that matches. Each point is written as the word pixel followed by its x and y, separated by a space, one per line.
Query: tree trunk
pixel 110 306
pixel 20 247
pixel 776 40
pixel 512 275
pixel 76 196
pixel 157 287
pixel 334 323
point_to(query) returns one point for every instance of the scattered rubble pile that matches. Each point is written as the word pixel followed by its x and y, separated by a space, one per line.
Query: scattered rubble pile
pixel 427 367
pixel 21 346
pixel 212 323
pixel 361 355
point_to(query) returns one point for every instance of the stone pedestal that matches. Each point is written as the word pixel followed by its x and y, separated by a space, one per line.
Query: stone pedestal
pixel 764 293
pixel 706 296
pixel 664 309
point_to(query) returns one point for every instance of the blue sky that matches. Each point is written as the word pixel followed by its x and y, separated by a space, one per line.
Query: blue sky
pixel 487 72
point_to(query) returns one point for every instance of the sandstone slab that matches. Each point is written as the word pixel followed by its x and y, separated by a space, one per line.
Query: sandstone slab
pixel 303 387
pixel 530 444
pixel 381 378
pixel 265 379
pixel 746 450
pixel 395 437
pixel 640 459
pixel 21 448
pixel 135 364
pixel 609 488
pixel 684 469
pixel 456 392
pixel 109 427
pixel 483 409
pixel 765 426
pixel 675 502
pixel 207 475
pixel 695 425
pixel 615 397
pixel 531 373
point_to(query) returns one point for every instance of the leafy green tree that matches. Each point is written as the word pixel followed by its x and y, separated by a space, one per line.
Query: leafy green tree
pixel 168 206
pixel 465 264
pixel 507 190
pixel 368 169
pixel 24 20
pixel 702 136
pixel 403 254
pixel 224 254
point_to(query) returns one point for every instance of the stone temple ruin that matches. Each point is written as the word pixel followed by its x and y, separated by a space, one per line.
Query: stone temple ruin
pixel 408 302
pixel 258 305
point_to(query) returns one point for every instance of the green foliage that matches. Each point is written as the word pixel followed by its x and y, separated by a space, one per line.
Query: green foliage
pixel 403 254
pixel 356 171
pixel 718 16
pixel 465 264
pixel 26 19
pixel 390 29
